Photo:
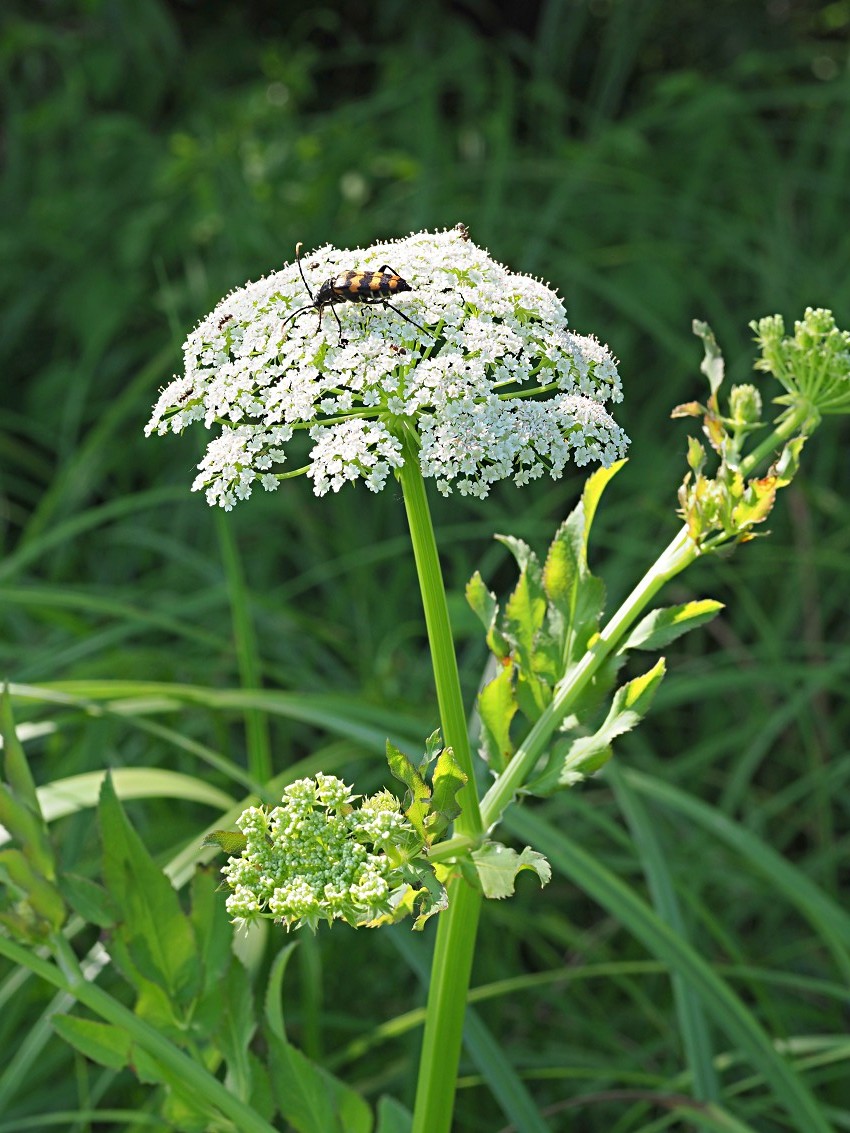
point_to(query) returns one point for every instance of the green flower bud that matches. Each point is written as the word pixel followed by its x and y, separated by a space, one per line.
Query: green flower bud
pixel 745 405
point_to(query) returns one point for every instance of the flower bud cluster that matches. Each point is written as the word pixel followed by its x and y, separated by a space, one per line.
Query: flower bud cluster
pixel 813 364
pixel 317 857
pixel 487 375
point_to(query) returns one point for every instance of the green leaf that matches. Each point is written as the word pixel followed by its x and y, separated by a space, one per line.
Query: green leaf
pixel 525 612
pixel 788 462
pixel 519 549
pixel 158 938
pixel 393 1117
pixel 101 1042
pixel 273 1006
pixel 20 812
pixel 311 1099
pixel 419 793
pixel 712 364
pixel 236 1028
pixel 548 657
pixel 153 1002
pixel 433 747
pixel 29 829
pixel 565 563
pixel 483 603
pixel 594 486
pixel 549 619
pixel 659 628
pixel 533 694
pixel 590 602
pixel 15 762
pixel 588 753
pixel 497 706
pixel 429 899
pixel 182 1115
pixel 481 600
pixel 756 505
pixel 44 899
pixel 262 1095
pixel 590 497
pixel 213 930
pixel 576 595
pixel 182 1109
pixel 497 867
pixel 421 896
pixel 630 705
pixel 696 455
pixel 448 779
pixel 231 842
pixel 88 900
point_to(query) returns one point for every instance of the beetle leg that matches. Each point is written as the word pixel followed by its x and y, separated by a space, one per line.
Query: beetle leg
pixel 342 341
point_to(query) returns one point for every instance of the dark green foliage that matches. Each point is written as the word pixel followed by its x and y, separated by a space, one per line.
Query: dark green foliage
pixel 154 943
pixel 658 163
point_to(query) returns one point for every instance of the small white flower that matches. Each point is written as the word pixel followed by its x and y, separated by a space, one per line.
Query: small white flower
pixel 495 384
pixel 351 449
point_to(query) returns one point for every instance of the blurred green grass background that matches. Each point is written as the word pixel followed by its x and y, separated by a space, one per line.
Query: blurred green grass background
pixel 656 162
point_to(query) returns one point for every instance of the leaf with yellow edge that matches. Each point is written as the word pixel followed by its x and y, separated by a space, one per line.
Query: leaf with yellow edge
pixel 588 753
pixel 419 793
pixel 660 627
pixel 447 781
pixel 497 706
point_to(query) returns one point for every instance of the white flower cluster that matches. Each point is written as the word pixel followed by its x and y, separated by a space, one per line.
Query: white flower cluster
pixel 309 859
pixel 487 342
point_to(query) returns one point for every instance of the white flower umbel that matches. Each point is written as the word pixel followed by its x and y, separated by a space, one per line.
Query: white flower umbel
pixel 492 381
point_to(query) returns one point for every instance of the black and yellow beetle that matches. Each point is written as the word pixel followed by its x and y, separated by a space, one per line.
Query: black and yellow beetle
pixel 353 287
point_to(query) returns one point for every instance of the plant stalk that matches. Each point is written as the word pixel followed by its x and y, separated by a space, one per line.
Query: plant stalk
pixel 456 931
pixel 783 432
pixel 443 659
pixel 454 950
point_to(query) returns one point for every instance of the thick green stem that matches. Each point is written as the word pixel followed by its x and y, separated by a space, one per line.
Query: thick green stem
pixel 456 931
pixel 787 428
pixel 443 659
pixel 448 988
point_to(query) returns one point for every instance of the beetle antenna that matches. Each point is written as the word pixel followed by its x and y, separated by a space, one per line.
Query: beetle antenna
pixel 298 248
